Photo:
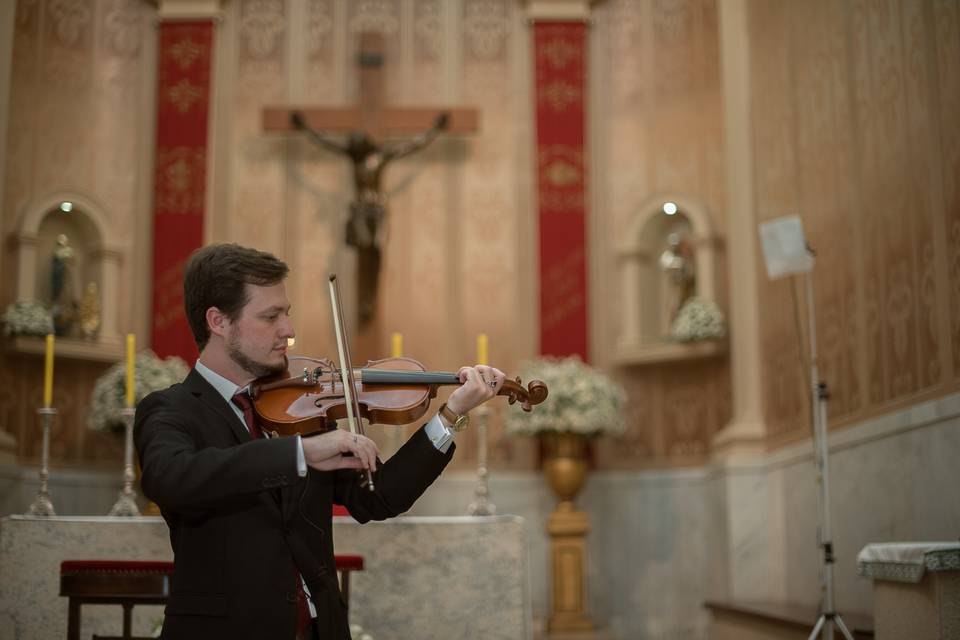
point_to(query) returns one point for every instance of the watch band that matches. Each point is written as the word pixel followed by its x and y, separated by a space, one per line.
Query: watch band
pixel 457 422
pixel 448 413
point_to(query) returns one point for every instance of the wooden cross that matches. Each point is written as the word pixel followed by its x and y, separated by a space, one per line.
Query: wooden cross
pixel 371 116
pixel 373 119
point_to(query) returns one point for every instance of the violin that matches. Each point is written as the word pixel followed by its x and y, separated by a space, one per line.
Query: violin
pixel 392 391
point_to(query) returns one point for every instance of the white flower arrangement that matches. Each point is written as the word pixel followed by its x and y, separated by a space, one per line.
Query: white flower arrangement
pixel 698 319
pixel 27 318
pixel 110 392
pixel 581 399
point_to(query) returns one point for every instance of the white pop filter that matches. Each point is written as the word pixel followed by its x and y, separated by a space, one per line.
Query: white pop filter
pixel 785 248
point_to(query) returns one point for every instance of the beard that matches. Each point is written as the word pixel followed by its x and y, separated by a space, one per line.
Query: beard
pixel 251 366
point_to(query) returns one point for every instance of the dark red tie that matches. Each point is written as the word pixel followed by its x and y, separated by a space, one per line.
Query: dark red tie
pixel 243 401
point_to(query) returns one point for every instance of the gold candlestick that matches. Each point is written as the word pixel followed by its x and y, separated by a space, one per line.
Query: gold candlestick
pixel 126 504
pixel 42 504
pixel 482 506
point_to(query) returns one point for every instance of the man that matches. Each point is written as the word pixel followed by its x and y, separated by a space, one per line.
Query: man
pixel 249 516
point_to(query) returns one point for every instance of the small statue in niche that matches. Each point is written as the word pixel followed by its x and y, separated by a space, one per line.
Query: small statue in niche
pixel 89 314
pixel 63 301
pixel 677 263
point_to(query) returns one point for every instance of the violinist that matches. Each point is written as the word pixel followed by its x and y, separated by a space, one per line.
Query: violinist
pixel 250 515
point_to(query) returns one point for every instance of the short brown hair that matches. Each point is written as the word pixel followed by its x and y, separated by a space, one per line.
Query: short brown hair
pixel 217 275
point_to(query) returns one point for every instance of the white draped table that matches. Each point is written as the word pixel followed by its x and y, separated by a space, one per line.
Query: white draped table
pixel 423 577
pixel 916 589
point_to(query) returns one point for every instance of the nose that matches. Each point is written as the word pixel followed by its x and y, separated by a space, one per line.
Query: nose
pixel 286 329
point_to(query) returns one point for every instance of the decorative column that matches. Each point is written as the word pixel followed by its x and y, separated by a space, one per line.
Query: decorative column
pixel 183 103
pixel 109 260
pixel 7 16
pixel 746 431
pixel 750 539
pixel 26 253
pixel 560 94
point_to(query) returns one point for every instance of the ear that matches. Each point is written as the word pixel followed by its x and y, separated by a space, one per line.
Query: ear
pixel 217 322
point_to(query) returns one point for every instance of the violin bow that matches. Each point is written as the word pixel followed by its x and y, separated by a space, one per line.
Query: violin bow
pixel 346 368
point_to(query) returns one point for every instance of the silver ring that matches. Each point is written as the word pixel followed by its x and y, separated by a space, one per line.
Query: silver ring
pixel 493 384
pixel 355 439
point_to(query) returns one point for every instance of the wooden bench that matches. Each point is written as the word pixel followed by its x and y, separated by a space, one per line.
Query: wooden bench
pixel 131 582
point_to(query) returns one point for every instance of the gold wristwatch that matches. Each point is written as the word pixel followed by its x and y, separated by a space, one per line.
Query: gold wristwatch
pixel 457 422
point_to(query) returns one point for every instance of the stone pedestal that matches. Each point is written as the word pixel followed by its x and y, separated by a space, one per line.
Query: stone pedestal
pixel 565 466
pixel 568 528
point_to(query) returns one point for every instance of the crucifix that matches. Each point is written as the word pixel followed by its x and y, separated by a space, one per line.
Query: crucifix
pixel 367 124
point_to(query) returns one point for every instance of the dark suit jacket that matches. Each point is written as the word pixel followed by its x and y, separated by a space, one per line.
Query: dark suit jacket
pixel 243 522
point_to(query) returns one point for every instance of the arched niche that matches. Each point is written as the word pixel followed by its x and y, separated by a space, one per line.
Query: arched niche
pixel 647 277
pixel 96 253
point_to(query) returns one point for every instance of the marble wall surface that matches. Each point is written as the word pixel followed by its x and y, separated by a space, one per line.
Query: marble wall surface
pixel 466 577
pixel 663 541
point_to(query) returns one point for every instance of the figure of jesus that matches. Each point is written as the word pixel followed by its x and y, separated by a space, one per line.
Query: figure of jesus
pixel 365 225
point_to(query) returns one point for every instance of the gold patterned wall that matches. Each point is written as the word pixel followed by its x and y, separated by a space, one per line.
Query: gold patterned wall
pixel 657 128
pixel 80 122
pixel 855 126
pixel 460 258
pixel 852 107
pixel 457 258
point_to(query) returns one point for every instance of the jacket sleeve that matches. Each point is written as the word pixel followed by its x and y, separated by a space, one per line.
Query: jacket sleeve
pixel 398 482
pixel 180 473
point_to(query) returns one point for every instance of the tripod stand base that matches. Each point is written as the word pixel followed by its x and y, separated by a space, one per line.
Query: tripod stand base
pixel 826 622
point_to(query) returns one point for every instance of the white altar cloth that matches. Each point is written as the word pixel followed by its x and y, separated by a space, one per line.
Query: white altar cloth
pixel 907 561
pixel 916 589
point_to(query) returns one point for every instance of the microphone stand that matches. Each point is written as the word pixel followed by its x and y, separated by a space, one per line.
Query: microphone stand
pixel 828 614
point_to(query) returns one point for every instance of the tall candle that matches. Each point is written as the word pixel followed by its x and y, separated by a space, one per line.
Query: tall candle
pixel 131 367
pixel 396 345
pixel 48 373
pixel 482 348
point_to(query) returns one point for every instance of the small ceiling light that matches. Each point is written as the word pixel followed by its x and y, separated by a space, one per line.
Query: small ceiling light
pixel 669 208
pixel 66 207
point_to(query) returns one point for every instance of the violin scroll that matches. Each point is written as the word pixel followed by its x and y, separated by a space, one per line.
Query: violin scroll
pixel 534 393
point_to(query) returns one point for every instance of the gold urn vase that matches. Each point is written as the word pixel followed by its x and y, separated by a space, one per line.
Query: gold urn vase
pixel 565 465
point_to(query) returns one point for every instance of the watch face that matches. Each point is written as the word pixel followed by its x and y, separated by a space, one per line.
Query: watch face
pixel 461 423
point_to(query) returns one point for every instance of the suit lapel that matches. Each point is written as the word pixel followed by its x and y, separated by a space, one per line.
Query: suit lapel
pixel 205 392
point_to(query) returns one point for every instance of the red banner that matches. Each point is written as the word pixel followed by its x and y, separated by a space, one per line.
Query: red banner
pixel 183 103
pixel 560 93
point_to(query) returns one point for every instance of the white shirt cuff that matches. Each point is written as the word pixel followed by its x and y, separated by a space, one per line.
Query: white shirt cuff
pixel 439 435
pixel 301 459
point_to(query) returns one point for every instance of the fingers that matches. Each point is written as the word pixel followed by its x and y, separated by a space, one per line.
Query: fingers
pixel 492 377
pixel 325 452
pixel 480 383
pixel 362 448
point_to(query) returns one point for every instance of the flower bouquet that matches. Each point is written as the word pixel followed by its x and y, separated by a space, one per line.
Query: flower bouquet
pixel 582 400
pixel 109 393
pixel 27 318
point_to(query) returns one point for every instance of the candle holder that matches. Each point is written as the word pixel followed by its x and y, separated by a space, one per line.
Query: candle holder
pixel 126 504
pixel 481 505
pixel 42 505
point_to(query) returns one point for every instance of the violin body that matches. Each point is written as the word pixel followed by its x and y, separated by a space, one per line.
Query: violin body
pixel 394 391
pixel 311 395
